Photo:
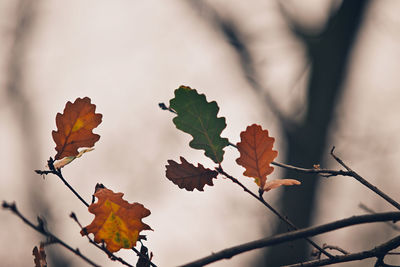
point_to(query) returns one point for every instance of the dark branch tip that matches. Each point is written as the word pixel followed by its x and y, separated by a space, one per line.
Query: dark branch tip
pixel 162 106
pixel 73 215
pixel 11 206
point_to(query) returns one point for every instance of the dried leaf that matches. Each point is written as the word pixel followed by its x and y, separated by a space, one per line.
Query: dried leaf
pixel 116 222
pixel 198 118
pixel 188 176
pixel 279 182
pixel 74 127
pixel 40 256
pixel 256 153
pixel 67 160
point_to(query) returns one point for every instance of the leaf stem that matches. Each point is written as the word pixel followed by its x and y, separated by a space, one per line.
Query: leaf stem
pixel 262 200
pixel 39 228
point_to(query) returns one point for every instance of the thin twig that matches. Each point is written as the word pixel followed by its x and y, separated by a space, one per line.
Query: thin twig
pixel 326 246
pixel 323 172
pixel 329 173
pixel 365 182
pixel 308 232
pixel 39 228
pixel 280 216
pixel 58 173
pixel 317 254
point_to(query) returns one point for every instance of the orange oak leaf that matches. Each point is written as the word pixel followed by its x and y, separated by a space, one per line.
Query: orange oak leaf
pixel 117 223
pixel 256 153
pixel 40 256
pixel 279 182
pixel 188 176
pixel 74 127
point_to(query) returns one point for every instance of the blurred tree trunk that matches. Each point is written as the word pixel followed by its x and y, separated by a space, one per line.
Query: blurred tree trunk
pixel 329 55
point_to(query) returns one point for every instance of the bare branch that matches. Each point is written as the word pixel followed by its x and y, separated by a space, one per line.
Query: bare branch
pixel 39 228
pixel 280 216
pixel 365 182
pixel 308 232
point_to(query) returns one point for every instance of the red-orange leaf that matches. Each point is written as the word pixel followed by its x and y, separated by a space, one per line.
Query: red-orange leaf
pixel 74 127
pixel 116 222
pixel 40 256
pixel 188 176
pixel 256 153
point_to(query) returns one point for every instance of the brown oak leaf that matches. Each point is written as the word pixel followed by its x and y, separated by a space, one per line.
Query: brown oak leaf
pixel 117 223
pixel 256 153
pixel 74 127
pixel 188 176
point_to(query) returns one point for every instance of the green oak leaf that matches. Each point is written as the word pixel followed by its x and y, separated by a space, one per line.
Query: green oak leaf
pixel 198 118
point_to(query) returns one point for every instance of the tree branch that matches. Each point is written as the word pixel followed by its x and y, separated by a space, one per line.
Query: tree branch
pixel 379 252
pixel 365 182
pixel 308 232
pixel 41 229
pixel 280 216
pixel 329 173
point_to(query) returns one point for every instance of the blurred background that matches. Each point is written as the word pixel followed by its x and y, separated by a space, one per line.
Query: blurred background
pixel 315 73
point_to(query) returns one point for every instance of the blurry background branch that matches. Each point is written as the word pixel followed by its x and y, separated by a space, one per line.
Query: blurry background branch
pixel 328 55
pixel 24 26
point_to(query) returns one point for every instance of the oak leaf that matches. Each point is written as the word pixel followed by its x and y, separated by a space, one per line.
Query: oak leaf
pixel 256 153
pixel 117 223
pixel 188 176
pixel 279 182
pixel 198 118
pixel 74 127
pixel 40 256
